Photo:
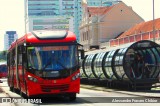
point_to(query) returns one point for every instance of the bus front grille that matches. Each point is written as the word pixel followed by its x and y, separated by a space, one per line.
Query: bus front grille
pixel 48 88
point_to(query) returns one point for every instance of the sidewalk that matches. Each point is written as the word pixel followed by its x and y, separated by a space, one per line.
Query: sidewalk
pixel 152 93
pixel 7 93
pixel 1 91
pixel 3 95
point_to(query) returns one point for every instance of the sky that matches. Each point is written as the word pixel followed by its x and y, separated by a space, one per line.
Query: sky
pixel 12 14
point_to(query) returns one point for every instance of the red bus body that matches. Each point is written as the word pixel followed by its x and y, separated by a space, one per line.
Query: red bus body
pixel 3 70
pixel 32 81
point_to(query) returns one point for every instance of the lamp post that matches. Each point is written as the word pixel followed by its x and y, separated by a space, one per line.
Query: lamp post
pixel 153 24
pixel 25 14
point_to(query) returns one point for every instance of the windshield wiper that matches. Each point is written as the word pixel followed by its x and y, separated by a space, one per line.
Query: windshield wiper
pixel 49 62
pixel 62 65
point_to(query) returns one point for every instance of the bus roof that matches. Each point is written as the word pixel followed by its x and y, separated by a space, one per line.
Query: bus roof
pixel 58 34
pixel 46 36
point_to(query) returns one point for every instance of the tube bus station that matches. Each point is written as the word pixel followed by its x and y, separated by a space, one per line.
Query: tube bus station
pixel 136 64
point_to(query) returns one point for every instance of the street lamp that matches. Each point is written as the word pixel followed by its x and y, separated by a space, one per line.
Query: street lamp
pixel 25 14
pixel 153 24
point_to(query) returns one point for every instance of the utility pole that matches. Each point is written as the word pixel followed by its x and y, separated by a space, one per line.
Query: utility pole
pixel 25 14
pixel 154 37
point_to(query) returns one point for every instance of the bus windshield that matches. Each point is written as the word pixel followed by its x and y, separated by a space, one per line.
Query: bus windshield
pixel 52 58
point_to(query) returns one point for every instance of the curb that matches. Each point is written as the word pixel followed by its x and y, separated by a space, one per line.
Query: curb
pixel 143 94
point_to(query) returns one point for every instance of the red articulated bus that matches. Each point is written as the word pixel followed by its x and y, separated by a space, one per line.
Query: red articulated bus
pixel 3 70
pixel 45 63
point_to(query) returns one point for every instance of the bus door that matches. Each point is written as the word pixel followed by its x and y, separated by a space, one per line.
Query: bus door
pixel 8 67
pixel 12 64
pixel 19 67
pixel 23 86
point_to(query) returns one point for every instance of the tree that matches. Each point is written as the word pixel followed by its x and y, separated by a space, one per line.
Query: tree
pixel 3 55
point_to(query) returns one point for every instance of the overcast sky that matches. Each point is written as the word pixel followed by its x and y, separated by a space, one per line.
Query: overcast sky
pixel 12 14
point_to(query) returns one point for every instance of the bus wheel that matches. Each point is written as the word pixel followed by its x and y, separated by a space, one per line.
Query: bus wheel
pixel 11 89
pixel 22 94
pixel 72 97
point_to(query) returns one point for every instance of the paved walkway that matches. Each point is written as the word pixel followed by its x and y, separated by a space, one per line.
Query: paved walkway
pixel 2 96
pixel 1 91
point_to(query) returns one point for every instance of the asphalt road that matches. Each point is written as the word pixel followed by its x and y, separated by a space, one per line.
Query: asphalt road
pixel 87 97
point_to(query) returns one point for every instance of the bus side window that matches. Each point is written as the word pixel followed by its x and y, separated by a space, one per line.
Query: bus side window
pixel 8 58
pixel 24 57
pixel 13 58
pixel 20 55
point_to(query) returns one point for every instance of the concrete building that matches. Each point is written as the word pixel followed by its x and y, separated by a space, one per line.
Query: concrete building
pixel 43 7
pixel 51 23
pixel 9 37
pixel 49 14
pixel 100 24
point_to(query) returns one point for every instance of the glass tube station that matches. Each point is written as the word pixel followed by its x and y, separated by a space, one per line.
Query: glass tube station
pixel 138 62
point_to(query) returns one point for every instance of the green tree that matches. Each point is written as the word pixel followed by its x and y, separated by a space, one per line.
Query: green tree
pixel 3 56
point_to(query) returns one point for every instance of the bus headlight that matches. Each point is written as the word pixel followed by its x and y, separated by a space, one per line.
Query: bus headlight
pixel 32 78
pixel 75 76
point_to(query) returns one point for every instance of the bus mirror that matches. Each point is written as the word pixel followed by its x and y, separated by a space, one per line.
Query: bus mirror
pixel 80 47
pixel 24 50
pixel 82 54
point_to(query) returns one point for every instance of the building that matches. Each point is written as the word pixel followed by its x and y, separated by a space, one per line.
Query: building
pixel 48 14
pixel 78 12
pixel 9 37
pixel 43 7
pixel 70 9
pixel 100 24
pixel 141 31
pixel 51 23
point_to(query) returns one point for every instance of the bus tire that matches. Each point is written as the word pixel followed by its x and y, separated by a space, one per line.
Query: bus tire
pixel 21 93
pixel 11 89
pixel 26 93
pixel 72 97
